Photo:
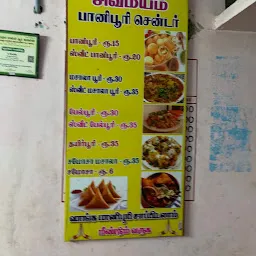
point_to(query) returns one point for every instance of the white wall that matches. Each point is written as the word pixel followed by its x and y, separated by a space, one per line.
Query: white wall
pixel 221 221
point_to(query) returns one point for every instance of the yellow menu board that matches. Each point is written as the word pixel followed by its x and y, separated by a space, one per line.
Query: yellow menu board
pixel 125 118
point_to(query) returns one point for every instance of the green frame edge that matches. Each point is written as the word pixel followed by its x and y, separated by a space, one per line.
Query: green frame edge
pixel 37 54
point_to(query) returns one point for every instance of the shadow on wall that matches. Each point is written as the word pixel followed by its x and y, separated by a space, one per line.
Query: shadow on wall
pixel 193 26
pixel 42 3
pixel 229 2
pixel 42 53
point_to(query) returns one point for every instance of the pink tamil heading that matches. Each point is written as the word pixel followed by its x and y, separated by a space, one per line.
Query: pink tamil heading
pixel 160 5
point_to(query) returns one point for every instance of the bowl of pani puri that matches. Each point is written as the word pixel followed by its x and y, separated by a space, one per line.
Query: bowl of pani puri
pixel 161 51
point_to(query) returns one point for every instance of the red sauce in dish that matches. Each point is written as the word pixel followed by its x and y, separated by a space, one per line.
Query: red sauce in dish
pixel 76 191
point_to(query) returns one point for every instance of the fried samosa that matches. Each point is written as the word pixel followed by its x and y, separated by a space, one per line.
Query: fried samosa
pixel 147 183
pixel 102 186
pixel 112 190
pixel 93 186
pixel 97 202
pixel 108 197
pixel 163 178
pixel 86 196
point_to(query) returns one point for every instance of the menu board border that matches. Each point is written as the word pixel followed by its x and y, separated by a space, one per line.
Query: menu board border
pixel 81 230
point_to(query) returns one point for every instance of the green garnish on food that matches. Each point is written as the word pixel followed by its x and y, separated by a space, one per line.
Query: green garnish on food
pixel 163 93
pixel 163 88
pixel 183 57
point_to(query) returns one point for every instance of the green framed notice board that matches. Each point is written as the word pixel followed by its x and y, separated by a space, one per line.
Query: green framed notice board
pixel 19 54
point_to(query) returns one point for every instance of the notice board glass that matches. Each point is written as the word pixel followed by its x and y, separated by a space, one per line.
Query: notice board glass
pixel 19 54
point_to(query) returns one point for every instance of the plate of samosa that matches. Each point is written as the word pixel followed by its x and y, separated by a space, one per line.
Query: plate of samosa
pixel 101 197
